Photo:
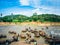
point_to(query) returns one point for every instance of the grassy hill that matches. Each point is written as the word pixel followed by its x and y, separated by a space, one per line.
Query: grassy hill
pixel 34 17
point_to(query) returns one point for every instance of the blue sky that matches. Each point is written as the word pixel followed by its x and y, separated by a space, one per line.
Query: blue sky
pixel 28 7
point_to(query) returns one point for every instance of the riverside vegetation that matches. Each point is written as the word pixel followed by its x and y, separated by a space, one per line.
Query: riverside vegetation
pixel 35 17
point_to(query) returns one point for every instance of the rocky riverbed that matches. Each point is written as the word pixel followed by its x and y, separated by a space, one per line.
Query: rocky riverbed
pixel 18 28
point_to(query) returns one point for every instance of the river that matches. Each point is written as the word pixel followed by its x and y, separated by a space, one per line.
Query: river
pixel 17 28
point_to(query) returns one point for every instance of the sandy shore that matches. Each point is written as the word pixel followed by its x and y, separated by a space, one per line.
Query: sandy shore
pixel 31 23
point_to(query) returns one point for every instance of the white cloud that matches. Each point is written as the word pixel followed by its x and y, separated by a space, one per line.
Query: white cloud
pixel 26 12
pixel 24 2
pixel 46 9
pixel 35 3
pixel 54 0
pixel 38 8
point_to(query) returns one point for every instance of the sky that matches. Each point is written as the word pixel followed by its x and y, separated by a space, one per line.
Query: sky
pixel 28 7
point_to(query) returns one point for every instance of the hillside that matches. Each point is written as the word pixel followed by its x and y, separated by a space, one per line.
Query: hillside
pixel 34 17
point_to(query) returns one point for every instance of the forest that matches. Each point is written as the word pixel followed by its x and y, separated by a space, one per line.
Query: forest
pixel 35 17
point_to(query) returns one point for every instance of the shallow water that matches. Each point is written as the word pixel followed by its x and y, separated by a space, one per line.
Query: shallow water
pixel 17 28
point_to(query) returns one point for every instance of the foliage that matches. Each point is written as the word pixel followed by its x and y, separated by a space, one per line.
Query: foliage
pixel 34 17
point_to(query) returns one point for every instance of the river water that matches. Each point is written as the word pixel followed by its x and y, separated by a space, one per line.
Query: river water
pixel 17 28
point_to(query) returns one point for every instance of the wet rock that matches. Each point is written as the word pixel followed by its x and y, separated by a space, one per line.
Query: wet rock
pixel 9 41
pixel 2 41
pixel 12 32
pixel 22 35
pixel 3 36
pixel 36 34
pixel 24 30
pixel 42 33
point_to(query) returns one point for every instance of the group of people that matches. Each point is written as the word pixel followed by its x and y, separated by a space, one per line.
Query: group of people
pixel 30 37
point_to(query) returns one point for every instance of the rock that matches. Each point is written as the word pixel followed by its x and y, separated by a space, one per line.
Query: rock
pixel 12 32
pixel 3 36
pixel 24 30
pixel 22 35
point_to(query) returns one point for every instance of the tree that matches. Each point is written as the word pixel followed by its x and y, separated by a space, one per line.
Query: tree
pixel 1 14
pixel 1 19
pixel 35 13
pixel 12 16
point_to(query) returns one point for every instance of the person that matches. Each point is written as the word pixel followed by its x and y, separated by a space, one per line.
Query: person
pixel 28 36
pixel 32 39
pixel 18 37
pixel 35 43
pixel 15 38
pixel 7 43
pixel 29 29
pixel 54 40
pixel 32 36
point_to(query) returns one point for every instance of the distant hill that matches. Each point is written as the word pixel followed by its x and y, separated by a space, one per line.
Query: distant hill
pixel 34 17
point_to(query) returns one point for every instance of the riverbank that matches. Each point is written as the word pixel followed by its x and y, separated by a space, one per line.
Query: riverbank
pixel 31 23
